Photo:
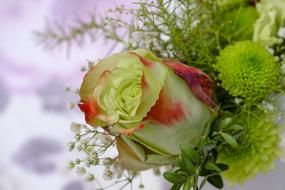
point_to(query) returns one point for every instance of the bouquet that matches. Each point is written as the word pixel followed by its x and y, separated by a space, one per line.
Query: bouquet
pixel 195 91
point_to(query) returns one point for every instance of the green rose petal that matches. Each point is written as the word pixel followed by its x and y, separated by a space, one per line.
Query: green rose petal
pixel 92 77
pixel 135 157
pixel 154 78
pixel 188 130
pixel 125 86
pixel 119 90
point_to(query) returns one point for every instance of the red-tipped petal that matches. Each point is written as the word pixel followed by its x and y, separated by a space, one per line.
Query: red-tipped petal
pixel 165 111
pixel 146 62
pixel 201 85
pixel 144 82
pixel 90 109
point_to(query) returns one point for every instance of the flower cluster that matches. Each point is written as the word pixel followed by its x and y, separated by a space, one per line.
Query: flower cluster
pixel 192 90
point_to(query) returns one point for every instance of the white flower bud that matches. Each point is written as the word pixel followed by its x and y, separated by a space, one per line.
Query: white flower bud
pixel 108 175
pixel 75 127
pixel 70 165
pixel 90 178
pixel 71 146
pixel 81 171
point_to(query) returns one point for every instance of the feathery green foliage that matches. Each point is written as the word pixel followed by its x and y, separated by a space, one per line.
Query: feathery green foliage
pixel 192 31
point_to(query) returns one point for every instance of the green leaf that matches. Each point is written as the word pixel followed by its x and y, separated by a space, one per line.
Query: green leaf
pixel 177 163
pixel 202 142
pixel 188 166
pixel 174 177
pixel 229 139
pixel 202 184
pixel 234 127
pixel 211 166
pixel 239 134
pixel 207 148
pixel 214 155
pixel 216 181
pixel 223 167
pixel 176 186
pixel 190 153
pixel 205 172
pixel 225 122
pixel 208 127
pixel 219 137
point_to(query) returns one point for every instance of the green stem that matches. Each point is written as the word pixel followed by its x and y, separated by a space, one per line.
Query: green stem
pixel 195 182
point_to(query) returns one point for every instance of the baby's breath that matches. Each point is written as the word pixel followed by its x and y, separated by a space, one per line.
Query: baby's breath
pixel 96 145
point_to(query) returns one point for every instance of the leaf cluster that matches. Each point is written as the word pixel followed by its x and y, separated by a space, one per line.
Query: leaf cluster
pixel 195 163
pixel 201 161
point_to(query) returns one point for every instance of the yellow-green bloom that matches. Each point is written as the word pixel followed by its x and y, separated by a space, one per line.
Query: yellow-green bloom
pixel 248 70
pixel 271 18
pixel 258 149
pixel 152 106
pixel 238 24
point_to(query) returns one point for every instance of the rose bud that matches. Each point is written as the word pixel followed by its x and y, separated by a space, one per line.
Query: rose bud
pixel 153 106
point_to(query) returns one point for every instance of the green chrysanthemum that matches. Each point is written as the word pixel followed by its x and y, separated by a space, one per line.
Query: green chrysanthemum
pixel 258 148
pixel 229 4
pixel 239 23
pixel 248 70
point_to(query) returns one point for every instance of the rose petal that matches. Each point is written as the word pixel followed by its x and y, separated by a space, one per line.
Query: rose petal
pixel 201 85
pixel 90 109
pixel 177 118
pixel 165 111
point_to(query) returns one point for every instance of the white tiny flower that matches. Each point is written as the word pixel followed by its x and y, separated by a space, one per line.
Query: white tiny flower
pixel 90 178
pixel 238 100
pixel 70 165
pixel 75 127
pixel 71 146
pixel 271 50
pixel 71 105
pixel 108 175
pixel 81 171
pixel 105 139
pixel 281 32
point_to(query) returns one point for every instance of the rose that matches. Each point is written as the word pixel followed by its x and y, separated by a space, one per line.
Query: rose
pixel 152 106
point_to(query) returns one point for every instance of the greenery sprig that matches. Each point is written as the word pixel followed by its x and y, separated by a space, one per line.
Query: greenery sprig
pixel 192 31
pixel 201 161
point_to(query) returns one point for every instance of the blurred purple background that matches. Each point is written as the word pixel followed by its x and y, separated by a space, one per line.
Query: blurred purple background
pixel 34 118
